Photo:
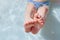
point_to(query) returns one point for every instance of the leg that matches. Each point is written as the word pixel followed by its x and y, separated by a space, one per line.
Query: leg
pixel 30 10
pixel 40 16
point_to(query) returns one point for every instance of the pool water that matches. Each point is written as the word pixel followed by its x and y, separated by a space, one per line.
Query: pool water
pixel 12 18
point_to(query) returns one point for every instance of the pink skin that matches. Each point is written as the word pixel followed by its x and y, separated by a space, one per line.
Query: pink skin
pixel 34 28
pixel 36 24
pixel 40 19
pixel 30 23
pixel 36 21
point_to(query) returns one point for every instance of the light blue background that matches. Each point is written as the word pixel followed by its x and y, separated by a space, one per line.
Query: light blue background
pixel 12 18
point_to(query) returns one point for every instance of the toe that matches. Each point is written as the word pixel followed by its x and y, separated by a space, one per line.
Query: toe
pixel 28 26
pixel 41 22
pixel 34 30
pixel 27 30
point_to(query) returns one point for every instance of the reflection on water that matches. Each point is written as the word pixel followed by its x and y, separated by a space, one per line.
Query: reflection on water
pixel 11 22
pixel 57 13
pixel 11 19
pixel 52 26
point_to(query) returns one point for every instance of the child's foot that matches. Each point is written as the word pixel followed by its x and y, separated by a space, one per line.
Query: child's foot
pixel 29 15
pixel 35 29
pixel 32 26
pixel 41 15
pixel 38 24
pixel 29 21
pixel 28 25
pixel 40 19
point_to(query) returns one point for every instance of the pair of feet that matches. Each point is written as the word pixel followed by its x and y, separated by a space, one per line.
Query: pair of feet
pixel 34 25
pixel 36 21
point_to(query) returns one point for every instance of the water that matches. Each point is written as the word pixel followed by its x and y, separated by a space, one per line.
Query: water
pixel 12 18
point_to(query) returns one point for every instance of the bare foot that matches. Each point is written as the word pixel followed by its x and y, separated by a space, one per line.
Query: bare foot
pixel 32 26
pixel 29 21
pixel 29 15
pixel 40 19
pixel 28 25
pixel 34 21
pixel 35 29
pixel 41 15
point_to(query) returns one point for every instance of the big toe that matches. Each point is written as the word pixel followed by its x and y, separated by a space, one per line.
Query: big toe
pixel 35 30
pixel 28 26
